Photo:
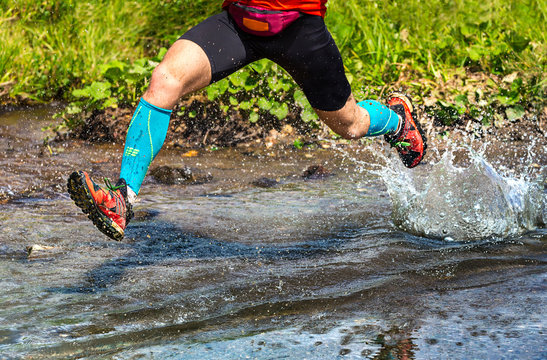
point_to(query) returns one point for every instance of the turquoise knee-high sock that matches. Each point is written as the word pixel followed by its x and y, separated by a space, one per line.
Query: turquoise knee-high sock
pixel 383 120
pixel 145 137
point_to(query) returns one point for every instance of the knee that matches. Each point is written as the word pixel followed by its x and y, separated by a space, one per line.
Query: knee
pixel 165 79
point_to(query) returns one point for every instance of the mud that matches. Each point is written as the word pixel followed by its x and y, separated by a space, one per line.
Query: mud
pixel 195 122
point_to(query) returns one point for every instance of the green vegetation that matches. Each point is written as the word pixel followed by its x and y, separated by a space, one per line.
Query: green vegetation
pixel 480 59
pixel 427 51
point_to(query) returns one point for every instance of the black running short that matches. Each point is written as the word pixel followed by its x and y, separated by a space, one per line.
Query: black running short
pixel 305 49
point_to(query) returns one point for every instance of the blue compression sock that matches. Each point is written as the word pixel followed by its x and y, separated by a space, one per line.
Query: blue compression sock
pixel 383 120
pixel 145 137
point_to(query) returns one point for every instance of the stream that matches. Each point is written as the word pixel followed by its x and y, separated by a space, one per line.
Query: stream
pixel 369 261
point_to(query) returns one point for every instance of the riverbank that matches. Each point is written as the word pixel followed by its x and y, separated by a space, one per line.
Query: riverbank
pixel 199 123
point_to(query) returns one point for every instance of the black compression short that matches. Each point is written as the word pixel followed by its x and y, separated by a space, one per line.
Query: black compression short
pixel 305 49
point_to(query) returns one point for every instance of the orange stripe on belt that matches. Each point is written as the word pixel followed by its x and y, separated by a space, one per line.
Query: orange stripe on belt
pixel 255 25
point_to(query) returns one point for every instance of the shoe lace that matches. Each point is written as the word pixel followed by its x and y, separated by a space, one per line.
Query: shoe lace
pixel 400 144
pixel 109 185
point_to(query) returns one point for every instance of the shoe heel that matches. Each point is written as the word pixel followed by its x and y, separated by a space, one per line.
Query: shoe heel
pixel 406 99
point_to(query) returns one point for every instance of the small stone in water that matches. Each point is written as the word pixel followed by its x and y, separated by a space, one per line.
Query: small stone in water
pixel 265 182
pixel 344 352
pixel 170 175
pixel 35 250
pixel 316 172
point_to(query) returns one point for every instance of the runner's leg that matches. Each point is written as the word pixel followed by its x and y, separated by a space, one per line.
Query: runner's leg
pixel 206 53
pixel 366 118
pixel 350 122
pixel 308 52
pixel 184 69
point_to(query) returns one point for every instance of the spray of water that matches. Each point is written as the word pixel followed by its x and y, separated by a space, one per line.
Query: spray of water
pixel 464 202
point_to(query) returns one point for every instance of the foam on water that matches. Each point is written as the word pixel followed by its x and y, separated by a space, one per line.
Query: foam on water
pixel 464 202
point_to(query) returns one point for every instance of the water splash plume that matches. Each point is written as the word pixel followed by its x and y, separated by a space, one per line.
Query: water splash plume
pixel 462 203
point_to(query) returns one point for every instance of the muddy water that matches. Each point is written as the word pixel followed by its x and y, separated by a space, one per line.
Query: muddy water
pixel 306 269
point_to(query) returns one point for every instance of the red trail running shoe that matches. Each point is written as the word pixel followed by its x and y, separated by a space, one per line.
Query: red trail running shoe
pixel 410 140
pixel 106 207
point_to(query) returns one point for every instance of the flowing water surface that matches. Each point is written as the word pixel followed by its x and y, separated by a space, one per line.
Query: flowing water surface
pixel 446 261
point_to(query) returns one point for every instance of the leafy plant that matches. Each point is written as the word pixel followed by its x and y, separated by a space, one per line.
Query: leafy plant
pixel 298 143
pixel 121 83
pixel 261 89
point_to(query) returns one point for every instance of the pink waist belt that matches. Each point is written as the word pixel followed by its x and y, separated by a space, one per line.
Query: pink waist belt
pixel 260 21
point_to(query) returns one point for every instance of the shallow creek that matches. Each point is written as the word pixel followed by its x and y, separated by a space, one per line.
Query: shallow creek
pixel 303 269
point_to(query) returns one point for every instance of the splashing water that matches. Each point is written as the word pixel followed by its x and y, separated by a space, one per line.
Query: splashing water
pixel 472 202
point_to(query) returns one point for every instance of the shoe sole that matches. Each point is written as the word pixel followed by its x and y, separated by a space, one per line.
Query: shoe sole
pixel 82 197
pixel 406 99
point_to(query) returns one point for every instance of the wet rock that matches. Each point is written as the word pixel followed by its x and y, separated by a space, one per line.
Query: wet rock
pixel 87 330
pixel 6 193
pixel 283 136
pixel 170 175
pixel 36 251
pixel 316 172
pixel 175 176
pixel 145 214
pixel 8 337
pixel 265 182
pixel 9 252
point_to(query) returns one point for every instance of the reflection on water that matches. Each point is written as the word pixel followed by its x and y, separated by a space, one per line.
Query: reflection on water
pixel 302 270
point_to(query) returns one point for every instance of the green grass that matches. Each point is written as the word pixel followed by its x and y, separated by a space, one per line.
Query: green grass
pixel 379 39
pixel 422 46
pixel 50 47
pixel 58 49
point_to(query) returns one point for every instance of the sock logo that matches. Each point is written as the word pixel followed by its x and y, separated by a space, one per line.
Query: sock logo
pixel 131 152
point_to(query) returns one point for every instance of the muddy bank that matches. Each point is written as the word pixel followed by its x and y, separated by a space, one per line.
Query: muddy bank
pixel 202 124
pixel 195 123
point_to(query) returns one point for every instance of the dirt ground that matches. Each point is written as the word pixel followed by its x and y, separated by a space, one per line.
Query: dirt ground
pixel 210 127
